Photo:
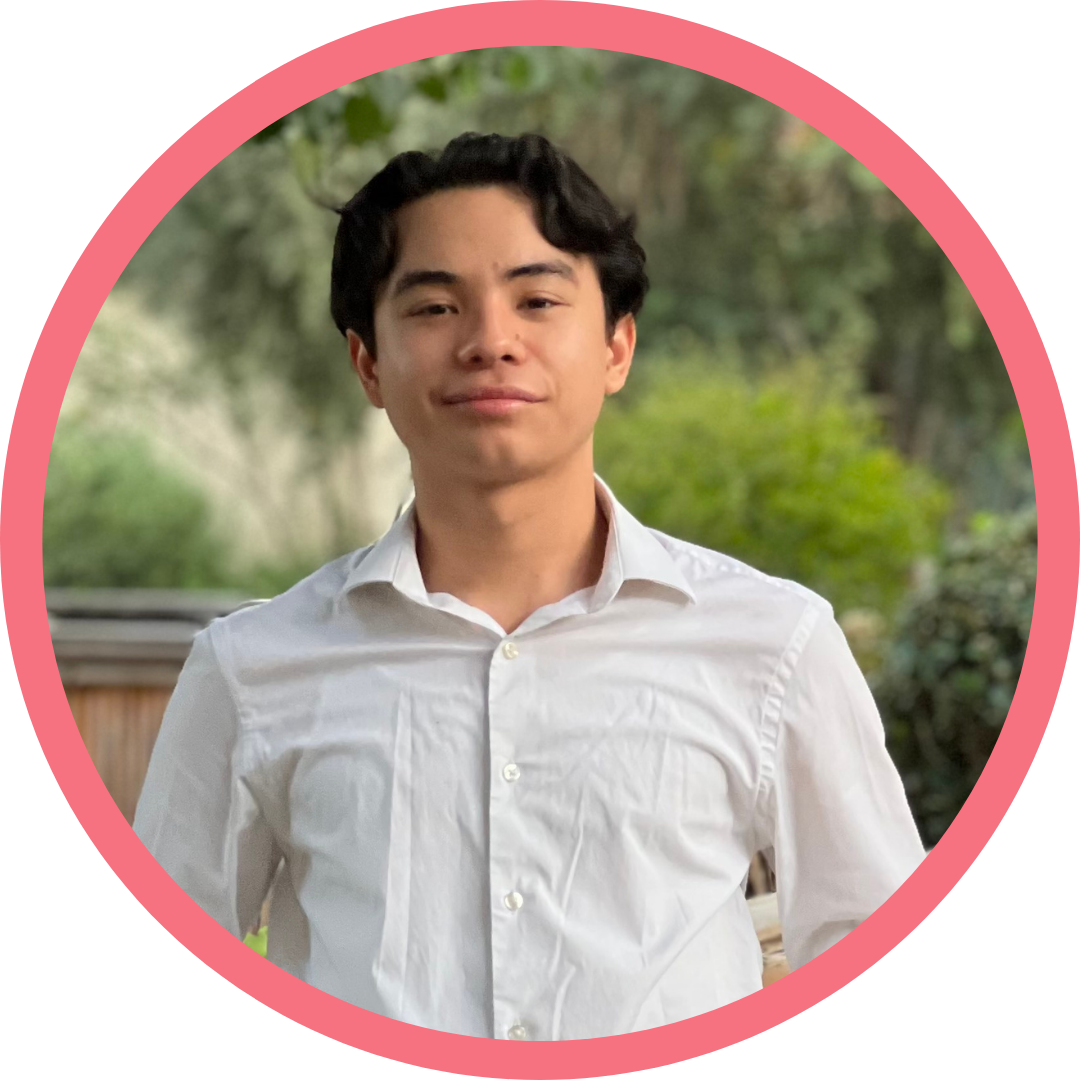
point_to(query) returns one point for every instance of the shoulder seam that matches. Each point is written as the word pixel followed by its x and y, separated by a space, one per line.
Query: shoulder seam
pixel 234 690
pixel 702 566
pixel 775 696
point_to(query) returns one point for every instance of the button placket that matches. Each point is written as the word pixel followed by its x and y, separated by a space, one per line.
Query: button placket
pixel 507 700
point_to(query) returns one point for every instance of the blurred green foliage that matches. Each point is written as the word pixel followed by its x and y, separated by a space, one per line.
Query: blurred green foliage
pixel 116 517
pixel 790 475
pixel 765 239
pixel 949 676
pixel 265 579
pixel 768 240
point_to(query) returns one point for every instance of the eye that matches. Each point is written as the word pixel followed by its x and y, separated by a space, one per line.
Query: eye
pixel 539 303
pixel 433 309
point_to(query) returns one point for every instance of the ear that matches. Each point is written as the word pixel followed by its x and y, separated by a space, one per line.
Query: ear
pixel 364 365
pixel 620 351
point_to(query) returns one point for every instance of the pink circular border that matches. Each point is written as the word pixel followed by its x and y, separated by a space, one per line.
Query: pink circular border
pixel 598 26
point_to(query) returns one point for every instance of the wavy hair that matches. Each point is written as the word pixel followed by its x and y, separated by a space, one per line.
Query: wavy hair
pixel 572 214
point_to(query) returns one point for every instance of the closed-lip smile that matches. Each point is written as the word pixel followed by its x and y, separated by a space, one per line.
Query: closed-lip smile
pixel 491 393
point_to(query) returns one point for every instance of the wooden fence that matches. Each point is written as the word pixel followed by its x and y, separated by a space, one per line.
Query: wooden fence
pixel 119 725
pixel 119 652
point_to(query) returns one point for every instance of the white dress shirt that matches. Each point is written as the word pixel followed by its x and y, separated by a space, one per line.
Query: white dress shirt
pixel 536 835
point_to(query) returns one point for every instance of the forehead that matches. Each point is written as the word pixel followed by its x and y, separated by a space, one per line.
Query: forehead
pixel 470 228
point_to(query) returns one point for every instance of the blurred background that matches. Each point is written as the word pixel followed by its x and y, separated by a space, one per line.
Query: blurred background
pixel 814 392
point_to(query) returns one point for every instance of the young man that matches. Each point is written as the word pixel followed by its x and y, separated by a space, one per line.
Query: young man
pixel 514 759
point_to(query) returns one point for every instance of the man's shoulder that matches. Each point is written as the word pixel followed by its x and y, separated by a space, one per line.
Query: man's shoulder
pixel 718 578
pixel 301 615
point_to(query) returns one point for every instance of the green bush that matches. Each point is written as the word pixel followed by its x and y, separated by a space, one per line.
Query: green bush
pixel 791 476
pixel 949 676
pixel 115 517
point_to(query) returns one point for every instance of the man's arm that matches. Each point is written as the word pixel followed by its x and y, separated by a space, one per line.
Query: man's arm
pixel 196 815
pixel 834 820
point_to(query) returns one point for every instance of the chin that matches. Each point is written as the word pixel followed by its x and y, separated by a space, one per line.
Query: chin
pixel 492 458
pixel 491 470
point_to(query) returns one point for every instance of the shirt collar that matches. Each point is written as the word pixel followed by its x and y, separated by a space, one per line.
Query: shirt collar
pixel 633 553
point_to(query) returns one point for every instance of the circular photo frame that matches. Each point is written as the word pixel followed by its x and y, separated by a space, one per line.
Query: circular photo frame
pixel 584 25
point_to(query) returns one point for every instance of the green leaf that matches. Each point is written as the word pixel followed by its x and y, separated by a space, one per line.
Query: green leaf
pixel 271 131
pixel 364 120
pixel 434 87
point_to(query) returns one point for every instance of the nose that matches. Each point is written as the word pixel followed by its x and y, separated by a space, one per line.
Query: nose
pixel 492 337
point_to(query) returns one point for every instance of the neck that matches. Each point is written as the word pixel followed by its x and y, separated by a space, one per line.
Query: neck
pixel 511 549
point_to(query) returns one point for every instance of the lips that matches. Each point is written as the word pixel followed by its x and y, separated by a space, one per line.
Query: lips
pixel 491 393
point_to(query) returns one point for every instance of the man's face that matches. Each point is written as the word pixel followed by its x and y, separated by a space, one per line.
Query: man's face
pixel 480 303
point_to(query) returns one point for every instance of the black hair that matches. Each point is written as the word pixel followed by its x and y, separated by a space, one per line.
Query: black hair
pixel 572 214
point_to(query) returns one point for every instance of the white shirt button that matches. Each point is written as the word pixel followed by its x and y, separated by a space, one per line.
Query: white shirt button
pixel 510 650
pixel 513 900
pixel 511 772
pixel 518 1032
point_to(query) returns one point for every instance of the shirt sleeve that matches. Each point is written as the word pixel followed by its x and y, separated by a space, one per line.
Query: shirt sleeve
pixel 196 815
pixel 836 826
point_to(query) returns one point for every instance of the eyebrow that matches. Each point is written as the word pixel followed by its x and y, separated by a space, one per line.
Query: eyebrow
pixel 540 269
pixel 415 278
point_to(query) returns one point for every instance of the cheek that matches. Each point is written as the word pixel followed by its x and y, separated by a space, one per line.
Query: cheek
pixel 401 367
pixel 583 373
pixel 404 391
